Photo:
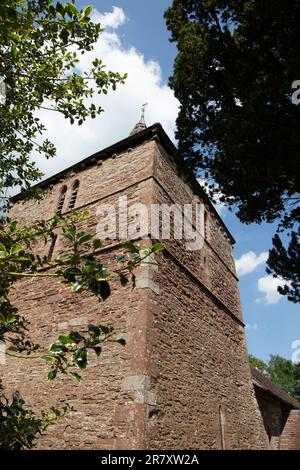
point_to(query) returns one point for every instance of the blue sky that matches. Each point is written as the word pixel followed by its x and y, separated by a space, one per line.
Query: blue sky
pixel 145 29
pixel 137 40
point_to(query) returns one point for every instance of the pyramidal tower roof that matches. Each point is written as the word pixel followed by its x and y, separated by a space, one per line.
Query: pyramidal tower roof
pixel 141 125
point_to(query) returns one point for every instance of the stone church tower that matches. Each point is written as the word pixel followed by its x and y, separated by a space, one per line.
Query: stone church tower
pixel 183 380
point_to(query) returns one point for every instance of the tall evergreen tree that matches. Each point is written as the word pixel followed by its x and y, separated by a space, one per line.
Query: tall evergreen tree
pixel 235 75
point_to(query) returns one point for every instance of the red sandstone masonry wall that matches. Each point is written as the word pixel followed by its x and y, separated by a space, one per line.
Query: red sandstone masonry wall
pixel 185 363
pixel 166 174
pixel 219 272
pixel 110 401
pixel 109 410
pixel 196 346
pixel 274 414
pixel 197 363
pixel 213 272
pixel 290 438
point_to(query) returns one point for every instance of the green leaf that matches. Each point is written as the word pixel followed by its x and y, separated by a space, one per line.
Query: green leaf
pixel 12 13
pixel 76 337
pixel 48 358
pixel 131 247
pixel 121 341
pixel 74 271
pixel 76 286
pixel 71 9
pixel 97 350
pixel 55 411
pixel 97 244
pixel 85 237
pixel 88 269
pixel 95 330
pixel 76 376
pixel 3 251
pixel 120 259
pixel 57 348
pixel 12 227
pixel 158 247
pixel 52 374
pixel 104 290
pixel 123 279
pixel 65 257
pixel 69 234
pixel 23 258
pixel 54 28
pixel 106 330
pixel 66 339
pixel 60 8
pixel 102 276
pixel 70 274
pixel 16 249
pixel 64 35
pixel 88 10
pixel 80 358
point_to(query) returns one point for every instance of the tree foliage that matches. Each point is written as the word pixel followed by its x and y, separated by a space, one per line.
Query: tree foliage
pixel 20 427
pixel 237 126
pixel 283 372
pixel 258 364
pixel 40 45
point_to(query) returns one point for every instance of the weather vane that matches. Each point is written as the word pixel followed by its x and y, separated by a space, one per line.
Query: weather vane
pixel 143 113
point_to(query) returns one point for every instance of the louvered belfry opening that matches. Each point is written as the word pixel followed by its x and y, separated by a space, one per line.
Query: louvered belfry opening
pixel 62 198
pixel 74 193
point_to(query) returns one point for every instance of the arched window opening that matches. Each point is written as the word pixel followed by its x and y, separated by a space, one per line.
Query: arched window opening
pixel 74 193
pixel 62 198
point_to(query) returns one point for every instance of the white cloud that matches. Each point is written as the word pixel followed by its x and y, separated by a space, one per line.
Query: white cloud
pixel 248 262
pixel 122 107
pixel 268 286
pixel 112 19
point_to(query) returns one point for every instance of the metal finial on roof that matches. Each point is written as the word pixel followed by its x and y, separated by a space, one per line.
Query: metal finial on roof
pixel 141 125
pixel 143 113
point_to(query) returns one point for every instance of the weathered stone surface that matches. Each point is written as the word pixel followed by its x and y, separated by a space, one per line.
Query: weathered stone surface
pixel 136 383
pixel 290 439
pixel 275 415
pixel 183 380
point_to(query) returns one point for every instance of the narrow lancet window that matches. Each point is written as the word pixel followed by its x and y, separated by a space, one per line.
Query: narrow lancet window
pixel 62 198
pixel 74 193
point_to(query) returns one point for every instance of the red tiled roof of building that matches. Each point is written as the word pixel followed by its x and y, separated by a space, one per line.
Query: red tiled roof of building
pixel 261 381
